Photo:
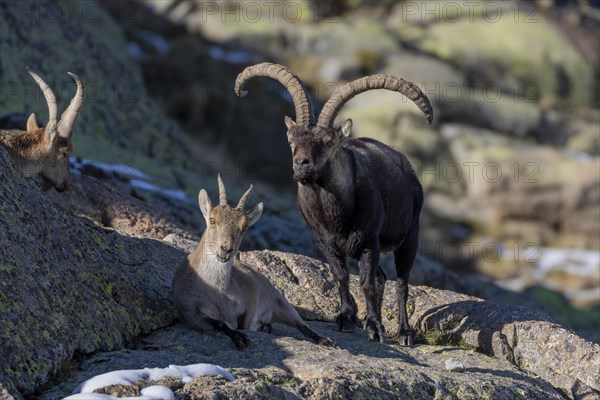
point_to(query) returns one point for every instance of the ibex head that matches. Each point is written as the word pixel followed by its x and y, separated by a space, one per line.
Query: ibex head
pixel 314 145
pixel 225 225
pixel 46 150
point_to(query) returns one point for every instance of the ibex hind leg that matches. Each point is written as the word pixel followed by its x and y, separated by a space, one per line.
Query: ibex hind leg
pixel 404 257
pixel 287 314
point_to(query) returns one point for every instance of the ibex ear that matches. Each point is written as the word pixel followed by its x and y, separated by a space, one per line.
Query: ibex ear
pixel 289 123
pixel 347 128
pixel 204 203
pixel 255 213
pixel 32 124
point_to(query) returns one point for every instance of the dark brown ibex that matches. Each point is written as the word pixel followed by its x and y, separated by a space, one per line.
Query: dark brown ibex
pixel 214 291
pixel 46 151
pixel 359 196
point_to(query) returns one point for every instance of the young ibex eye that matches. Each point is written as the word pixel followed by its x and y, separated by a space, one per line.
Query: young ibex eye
pixel 245 228
pixel 212 221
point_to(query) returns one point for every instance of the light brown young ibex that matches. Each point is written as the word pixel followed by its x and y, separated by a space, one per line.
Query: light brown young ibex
pixel 215 292
pixel 46 150
pixel 359 196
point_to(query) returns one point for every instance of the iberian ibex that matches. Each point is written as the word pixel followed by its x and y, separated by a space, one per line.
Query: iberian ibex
pixel 359 196
pixel 215 292
pixel 46 151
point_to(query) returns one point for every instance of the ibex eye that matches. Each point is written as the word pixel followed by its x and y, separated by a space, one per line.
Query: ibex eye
pixel 212 221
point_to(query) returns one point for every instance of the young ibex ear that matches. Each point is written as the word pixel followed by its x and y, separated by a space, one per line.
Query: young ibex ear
pixel 32 124
pixel 347 128
pixel 289 123
pixel 255 213
pixel 205 204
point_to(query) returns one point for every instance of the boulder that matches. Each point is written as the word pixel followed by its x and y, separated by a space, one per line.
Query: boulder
pixel 518 50
pixel 70 286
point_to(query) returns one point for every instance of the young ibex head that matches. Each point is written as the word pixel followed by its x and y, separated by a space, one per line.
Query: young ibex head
pixel 314 145
pixel 46 150
pixel 225 225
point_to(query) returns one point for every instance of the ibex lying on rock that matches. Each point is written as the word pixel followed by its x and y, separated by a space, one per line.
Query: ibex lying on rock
pixel 215 292
pixel 359 196
pixel 46 151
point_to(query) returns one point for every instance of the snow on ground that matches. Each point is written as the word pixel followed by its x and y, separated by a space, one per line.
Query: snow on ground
pixel 126 377
pixel 573 261
pixel 119 170
pixel 134 176
pixel 174 194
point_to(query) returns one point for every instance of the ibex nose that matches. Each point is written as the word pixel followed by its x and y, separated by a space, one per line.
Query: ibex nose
pixel 226 250
pixel 302 161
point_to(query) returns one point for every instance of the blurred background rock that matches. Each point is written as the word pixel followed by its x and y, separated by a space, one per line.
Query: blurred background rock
pixel 510 165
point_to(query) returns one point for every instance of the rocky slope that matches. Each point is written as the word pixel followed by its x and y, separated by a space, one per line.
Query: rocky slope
pixel 85 275
pixel 81 289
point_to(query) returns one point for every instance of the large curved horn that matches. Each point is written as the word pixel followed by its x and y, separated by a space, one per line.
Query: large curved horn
pixel 244 198
pixel 351 89
pixel 50 99
pixel 304 109
pixel 222 192
pixel 67 119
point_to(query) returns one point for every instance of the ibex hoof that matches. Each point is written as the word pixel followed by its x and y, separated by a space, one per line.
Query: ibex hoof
pixel 346 323
pixel 240 340
pixel 325 341
pixel 375 330
pixel 265 327
pixel 405 338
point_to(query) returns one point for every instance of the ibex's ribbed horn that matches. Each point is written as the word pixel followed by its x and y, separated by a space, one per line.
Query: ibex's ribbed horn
pixel 244 198
pixel 67 120
pixel 222 192
pixel 351 89
pixel 303 106
pixel 50 99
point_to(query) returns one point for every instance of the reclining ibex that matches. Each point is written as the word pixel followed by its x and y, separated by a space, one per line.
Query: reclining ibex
pixel 46 151
pixel 213 291
pixel 359 196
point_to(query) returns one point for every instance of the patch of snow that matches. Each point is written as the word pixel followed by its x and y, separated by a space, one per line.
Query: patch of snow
pixel 582 156
pixel 134 176
pixel 174 194
pixel 232 57
pixel 583 295
pixel 98 396
pixel 127 377
pixel 136 51
pixel 122 171
pixel 574 261
pixel 158 42
pixel 158 392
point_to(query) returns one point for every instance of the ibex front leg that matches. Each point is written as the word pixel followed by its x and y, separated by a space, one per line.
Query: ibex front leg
pixel 346 319
pixel 207 324
pixel 369 273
